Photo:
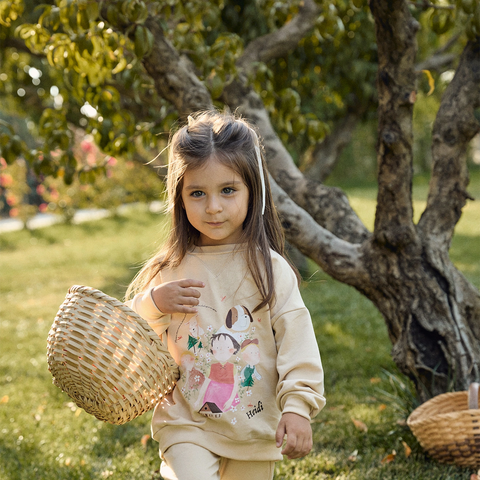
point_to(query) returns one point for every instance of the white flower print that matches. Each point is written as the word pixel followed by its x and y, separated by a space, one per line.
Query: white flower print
pixel 197 378
pixel 234 421
pixel 238 359
pixel 253 329
pixel 243 408
pixel 234 409
pixel 249 392
pixel 210 328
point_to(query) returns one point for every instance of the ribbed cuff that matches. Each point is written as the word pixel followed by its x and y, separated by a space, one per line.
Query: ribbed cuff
pixel 296 404
pixel 154 304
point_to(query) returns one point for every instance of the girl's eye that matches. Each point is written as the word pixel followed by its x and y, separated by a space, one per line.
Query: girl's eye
pixel 228 190
pixel 197 194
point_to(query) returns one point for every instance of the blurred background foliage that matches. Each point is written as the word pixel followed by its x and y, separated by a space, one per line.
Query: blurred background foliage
pixel 72 79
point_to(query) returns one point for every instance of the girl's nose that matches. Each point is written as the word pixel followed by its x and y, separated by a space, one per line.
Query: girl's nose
pixel 213 205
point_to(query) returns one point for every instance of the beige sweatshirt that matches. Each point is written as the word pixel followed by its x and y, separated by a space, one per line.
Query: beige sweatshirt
pixel 239 371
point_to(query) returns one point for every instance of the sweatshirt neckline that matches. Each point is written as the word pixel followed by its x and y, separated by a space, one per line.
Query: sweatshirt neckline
pixel 228 248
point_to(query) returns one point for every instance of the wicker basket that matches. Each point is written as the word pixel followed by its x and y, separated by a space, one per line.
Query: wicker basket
pixel 107 358
pixel 448 427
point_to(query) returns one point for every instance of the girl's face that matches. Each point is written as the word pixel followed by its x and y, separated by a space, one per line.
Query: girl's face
pixel 215 199
pixel 222 348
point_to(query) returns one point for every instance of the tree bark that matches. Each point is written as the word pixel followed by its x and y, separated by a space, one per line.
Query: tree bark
pixel 432 312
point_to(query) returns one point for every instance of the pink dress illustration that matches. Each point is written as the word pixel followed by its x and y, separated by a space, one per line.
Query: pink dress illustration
pixel 219 391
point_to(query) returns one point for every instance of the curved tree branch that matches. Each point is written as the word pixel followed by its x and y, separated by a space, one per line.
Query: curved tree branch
pixel 174 75
pixel 455 125
pixel 395 31
pixel 283 40
pixel 339 258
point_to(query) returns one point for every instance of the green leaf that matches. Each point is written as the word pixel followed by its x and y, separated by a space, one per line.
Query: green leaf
pixel 441 21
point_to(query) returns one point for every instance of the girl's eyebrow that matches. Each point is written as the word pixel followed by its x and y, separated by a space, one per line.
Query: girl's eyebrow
pixel 222 185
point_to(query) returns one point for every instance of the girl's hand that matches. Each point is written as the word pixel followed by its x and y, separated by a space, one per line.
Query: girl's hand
pixel 299 435
pixel 178 296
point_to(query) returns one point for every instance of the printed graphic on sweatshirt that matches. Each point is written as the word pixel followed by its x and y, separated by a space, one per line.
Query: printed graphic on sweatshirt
pixel 220 367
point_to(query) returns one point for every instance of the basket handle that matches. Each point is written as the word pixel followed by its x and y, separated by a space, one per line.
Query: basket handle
pixel 473 396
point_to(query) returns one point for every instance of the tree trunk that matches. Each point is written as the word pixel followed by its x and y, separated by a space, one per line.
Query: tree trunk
pixel 432 312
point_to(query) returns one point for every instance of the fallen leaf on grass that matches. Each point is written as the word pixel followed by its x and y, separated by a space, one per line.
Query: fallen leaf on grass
pixel 145 440
pixel 78 412
pixel 382 407
pixel 375 380
pixel 408 450
pixel 4 399
pixel 390 457
pixel 359 425
pixel 68 461
pixel 353 456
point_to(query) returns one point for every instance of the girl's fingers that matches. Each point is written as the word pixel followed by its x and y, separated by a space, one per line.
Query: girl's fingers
pixel 189 301
pixel 189 282
pixel 190 292
pixel 184 309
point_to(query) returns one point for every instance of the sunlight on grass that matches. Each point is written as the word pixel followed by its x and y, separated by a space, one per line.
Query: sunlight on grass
pixel 469 223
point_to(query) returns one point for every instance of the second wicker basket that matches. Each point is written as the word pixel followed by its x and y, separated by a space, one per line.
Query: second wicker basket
pixel 448 427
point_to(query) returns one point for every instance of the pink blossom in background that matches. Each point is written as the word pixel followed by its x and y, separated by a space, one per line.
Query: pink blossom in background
pixel 43 207
pixel 40 189
pixel 112 161
pixel 11 200
pixel 5 180
pixel 13 212
pixel 86 146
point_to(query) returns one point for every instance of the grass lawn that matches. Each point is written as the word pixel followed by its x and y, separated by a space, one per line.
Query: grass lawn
pixel 359 435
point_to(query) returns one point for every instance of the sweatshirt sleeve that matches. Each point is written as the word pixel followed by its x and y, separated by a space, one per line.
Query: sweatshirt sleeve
pixel 143 304
pixel 300 385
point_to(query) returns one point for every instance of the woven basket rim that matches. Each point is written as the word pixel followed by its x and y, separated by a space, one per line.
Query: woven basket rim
pixel 99 295
pixel 417 416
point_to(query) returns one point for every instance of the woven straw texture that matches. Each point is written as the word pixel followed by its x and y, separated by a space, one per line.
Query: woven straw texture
pixel 107 358
pixel 448 430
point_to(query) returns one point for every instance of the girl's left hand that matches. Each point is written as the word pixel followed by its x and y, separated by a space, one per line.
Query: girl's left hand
pixel 299 435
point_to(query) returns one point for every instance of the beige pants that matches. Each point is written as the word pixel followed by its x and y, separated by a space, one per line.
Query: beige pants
pixel 187 461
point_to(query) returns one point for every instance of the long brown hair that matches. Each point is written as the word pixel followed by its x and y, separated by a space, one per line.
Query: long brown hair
pixel 230 140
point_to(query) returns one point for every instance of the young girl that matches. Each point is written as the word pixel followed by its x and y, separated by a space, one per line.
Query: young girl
pixel 222 269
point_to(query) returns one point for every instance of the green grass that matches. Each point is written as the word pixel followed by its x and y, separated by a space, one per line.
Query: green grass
pixel 44 436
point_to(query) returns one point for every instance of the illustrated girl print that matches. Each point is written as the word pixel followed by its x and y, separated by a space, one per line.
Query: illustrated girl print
pixel 194 334
pixel 250 353
pixel 193 378
pixel 219 391
pixel 238 321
